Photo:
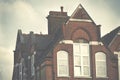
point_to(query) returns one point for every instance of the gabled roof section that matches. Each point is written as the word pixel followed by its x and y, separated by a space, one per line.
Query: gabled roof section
pixel 19 35
pixel 108 38
pixel 80 14
pixel 19 38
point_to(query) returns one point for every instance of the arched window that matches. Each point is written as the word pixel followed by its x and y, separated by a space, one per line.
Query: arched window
pixel 100 64
pixel 62 63
pixel 81 58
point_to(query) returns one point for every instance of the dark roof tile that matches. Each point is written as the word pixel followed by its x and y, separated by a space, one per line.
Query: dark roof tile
pixel 110 36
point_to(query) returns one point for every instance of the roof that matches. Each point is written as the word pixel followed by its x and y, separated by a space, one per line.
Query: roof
pixel 39 41
pixel 42 41
pixel 80 14
pixel 107 39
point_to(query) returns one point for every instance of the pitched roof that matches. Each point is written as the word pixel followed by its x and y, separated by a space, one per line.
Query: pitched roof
pixel 39 41
pixel 80 14
pixel 42 41
pixel 55 38
pixel 107 39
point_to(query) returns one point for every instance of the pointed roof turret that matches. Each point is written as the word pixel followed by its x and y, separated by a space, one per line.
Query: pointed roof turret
pixel 80 14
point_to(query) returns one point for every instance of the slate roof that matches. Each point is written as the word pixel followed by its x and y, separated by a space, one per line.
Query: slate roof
pixel 39 41
pixel 107 39
pixel 42 43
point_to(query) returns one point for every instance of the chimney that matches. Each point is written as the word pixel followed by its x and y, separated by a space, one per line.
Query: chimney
pixel 61 8
pixel 56 19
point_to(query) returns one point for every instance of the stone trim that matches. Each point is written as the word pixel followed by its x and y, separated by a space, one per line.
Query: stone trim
pixel 84 20
pixel 71 42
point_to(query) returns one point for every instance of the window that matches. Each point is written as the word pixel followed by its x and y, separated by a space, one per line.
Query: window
pixel 21 69
pixel 62 63
pixel 81 59
pixel 32 64
pixel 100 64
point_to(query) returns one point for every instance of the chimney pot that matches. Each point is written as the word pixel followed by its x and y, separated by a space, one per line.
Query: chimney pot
pixel 61 8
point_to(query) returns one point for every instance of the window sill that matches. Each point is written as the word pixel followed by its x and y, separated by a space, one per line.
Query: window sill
pixel 101 77
pixel 82 77
pixel 63 76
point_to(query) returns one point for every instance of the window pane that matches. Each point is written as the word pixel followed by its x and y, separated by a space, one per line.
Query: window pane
pixel 100 56
pixel 63 70
pixel 62 62
pixel 86 70
pixel 85 60
pixel 76 47
pixel 100 63
pixel 101 70
pixel 84 49
pixel 77 60
pixel 77 71
pixel 62 55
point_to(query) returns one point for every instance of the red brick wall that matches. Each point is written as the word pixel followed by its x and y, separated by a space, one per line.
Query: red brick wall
pixel 88 28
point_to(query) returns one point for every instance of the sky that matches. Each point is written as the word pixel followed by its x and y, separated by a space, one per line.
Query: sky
pixel 30 15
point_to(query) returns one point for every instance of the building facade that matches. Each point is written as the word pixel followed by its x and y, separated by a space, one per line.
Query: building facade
pixel 73 49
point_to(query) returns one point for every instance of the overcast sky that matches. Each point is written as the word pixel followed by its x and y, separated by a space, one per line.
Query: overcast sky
pixel 30 15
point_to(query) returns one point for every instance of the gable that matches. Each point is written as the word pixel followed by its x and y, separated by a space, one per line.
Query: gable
pixel 80 14
pixel 80 19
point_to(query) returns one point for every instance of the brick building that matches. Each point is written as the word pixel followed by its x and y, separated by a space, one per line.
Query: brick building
pixel 72 50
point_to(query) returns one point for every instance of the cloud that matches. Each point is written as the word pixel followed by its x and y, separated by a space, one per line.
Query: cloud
pixel 26 16
pixel 13 16
pixel 114 5
pixel 6 63
pixel 102 13
pixel 19 15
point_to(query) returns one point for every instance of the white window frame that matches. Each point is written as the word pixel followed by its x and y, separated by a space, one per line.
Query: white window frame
pixel 59 63
pixel 103 61
pixel 81 55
